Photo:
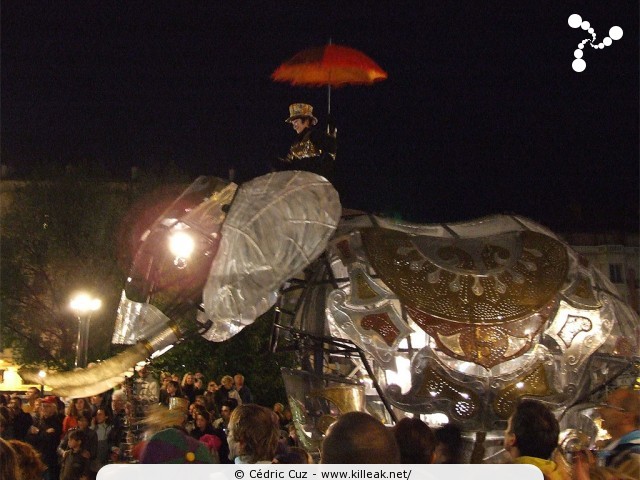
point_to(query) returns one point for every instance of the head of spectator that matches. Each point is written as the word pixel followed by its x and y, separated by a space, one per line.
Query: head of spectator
pixel 187 379
pixel 294 455
pixel 84 420
pixel 118 400
pixel 532 431
pixel 227 382
pixel 448 444
pixel 15 404
pixel 9 465
pixel 357 437
pixel 200 400
pixel 620 412
pixel 227 408
pixel 49 406
pixel 278 407
pixel 172 445
pixel 75 440
pixel 238 380
pixel 202 420
pixel 96 401
pixel 212 386
pixel 32 394
pixel 198 384
pixel 173 388
pixel 100 416
pixel 29 461
pixel 252 434
pixel 416 440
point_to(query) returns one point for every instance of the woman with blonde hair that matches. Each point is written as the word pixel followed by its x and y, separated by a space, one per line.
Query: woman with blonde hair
pixel 188 387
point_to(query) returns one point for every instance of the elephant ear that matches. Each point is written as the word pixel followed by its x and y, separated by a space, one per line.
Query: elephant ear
pixel 276 226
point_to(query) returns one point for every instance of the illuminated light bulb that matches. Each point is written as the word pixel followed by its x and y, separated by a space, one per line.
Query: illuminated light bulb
pixel 181 244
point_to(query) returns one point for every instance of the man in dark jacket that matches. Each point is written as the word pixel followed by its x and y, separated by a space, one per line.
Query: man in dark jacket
pixel 21 420
pixel 45 437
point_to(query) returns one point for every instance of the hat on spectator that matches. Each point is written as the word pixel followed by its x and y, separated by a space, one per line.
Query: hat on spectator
pixel 174 446
pixel 211 441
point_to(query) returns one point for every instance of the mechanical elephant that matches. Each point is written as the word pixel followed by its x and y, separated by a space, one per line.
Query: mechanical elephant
pixel 459 319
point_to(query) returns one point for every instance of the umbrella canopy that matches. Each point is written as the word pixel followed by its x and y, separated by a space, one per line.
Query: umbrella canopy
pixel 332 65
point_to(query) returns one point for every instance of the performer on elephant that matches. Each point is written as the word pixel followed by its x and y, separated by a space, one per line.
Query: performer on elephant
pixel 314 149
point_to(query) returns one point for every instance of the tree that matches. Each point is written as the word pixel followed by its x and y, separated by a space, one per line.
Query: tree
pixel 70 232
pixel 247 353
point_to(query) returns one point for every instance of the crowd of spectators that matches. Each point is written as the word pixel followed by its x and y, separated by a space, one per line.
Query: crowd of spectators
pixel 42 438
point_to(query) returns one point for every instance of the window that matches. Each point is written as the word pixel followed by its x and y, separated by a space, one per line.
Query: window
pixel 615 273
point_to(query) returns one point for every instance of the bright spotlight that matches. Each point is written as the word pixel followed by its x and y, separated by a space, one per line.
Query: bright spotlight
pixel 83 303
pixel 181 245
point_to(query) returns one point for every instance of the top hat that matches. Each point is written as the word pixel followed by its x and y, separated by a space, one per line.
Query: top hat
pixel 301 110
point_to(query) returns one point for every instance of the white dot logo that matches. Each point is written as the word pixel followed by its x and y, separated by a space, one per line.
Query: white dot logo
pixel 575 21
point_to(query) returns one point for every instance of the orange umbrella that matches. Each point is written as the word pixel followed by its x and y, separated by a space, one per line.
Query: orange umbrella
pixel 331 65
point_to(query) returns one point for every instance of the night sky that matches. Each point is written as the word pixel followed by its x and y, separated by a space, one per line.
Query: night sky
pixel 482 112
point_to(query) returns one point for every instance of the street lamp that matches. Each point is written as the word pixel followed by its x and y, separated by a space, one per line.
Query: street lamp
pixel 83 305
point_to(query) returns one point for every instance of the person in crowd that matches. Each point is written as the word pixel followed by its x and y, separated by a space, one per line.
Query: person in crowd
pixel 165 378
pixel 45 434
pixel 242 389
pixel 118 433
pixel 6 423
pixel 221 427
pixel 448 444
pixel 314 149
pixel 198 385
pixel 147 390
pixel 209 397
pixel 95 402
pixel 294 455
pixel 252 435
pixel 71 419
pixel 227 408
pixel 75 465
pixel 416 441
pixel 357 437
pixel 103 428
pixel 173 391
pixel 202 425
pixel 29 406
pixel 21 420
pixel 226 391
pixel 532 436
pixel 37 410
pixel 201 401
pixel 620 458
pixel 188 387
pixel 89 442
pixel 29 460
pixel 9 464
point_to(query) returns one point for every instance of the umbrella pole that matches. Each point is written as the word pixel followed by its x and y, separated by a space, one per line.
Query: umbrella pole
pixel 329 99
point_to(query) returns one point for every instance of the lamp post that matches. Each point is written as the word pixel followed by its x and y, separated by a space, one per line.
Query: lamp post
pixel 83 305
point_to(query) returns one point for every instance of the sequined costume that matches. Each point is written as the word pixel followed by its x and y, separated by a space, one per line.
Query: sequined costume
pixel 312 151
